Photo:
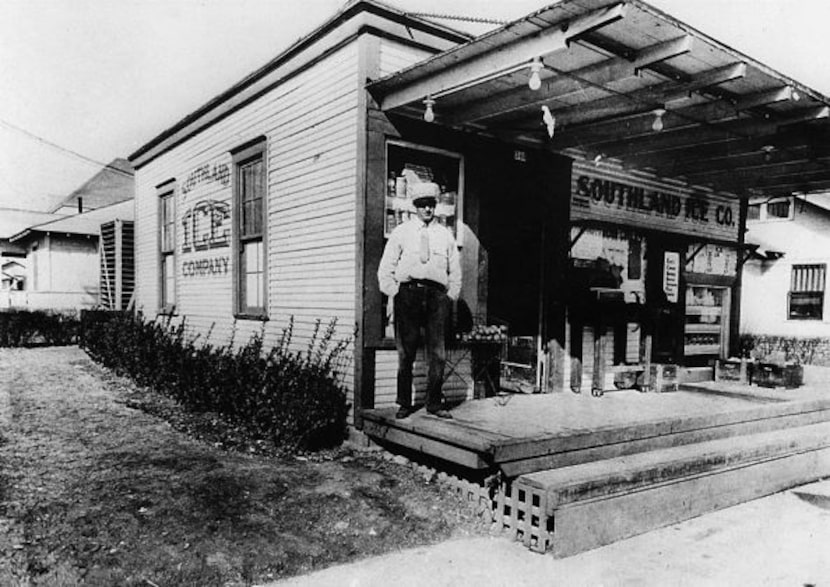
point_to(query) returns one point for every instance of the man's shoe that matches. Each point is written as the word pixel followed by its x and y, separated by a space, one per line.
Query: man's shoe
pixel 441 413
pixel 404 412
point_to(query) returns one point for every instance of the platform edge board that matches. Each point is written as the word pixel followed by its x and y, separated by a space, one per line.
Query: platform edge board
pixel 578 456
pixel 590 524
pixel 454 431
pixel 518 448
pixel 599 479
pixel 425 445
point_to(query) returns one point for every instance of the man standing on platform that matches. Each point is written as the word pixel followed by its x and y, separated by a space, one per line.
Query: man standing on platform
pixel 420 271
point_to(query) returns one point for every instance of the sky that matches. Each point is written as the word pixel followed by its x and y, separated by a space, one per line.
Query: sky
pixel 85 81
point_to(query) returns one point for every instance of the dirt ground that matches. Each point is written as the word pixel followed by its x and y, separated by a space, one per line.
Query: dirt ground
pixel 102 483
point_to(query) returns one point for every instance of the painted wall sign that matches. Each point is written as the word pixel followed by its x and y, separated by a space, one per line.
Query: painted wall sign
pixel 613 196
pixel 671 275
pixel 219 172
pixel 203 267
pixel 206 225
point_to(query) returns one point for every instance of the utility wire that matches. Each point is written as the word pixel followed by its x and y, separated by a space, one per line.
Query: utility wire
pixel 70 152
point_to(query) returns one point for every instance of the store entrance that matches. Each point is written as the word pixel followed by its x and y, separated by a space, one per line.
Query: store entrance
pixel 512 234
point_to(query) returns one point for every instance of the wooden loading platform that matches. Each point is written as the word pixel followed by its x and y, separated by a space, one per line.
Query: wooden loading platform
pixel 583 471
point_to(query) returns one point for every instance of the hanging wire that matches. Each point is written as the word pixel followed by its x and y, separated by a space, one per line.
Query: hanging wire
pixel 64 150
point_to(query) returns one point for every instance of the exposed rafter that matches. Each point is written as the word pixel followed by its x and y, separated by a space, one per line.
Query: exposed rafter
pixel 486 66
pixel 640 124
pixel 600 74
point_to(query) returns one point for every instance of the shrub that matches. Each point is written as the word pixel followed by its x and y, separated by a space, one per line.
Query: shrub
pixel 297 398
pixel 37 327
pixel 802 350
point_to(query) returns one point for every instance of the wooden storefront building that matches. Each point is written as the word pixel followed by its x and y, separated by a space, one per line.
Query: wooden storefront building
pixel 593 158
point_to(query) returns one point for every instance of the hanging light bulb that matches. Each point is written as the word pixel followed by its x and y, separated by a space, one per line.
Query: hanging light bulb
pixel 795 96
pixel 429 113
pixel 535 81
pixel 657 125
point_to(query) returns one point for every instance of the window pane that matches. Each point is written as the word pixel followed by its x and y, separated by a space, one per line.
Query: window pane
pixel 168 280
pixel 779 209
pixel 253 275
pixel 252 188
pixel 806 306
pixel 753 212
pixel 167 220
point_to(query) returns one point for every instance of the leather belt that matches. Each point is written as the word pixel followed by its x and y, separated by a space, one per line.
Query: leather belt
pixel 426 283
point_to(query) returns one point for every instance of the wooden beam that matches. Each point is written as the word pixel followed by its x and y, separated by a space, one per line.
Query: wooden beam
pixel 738 172
pixel 709 133
pixel 648 98
pixel 640 124
pixel 601 74
pixel 489 65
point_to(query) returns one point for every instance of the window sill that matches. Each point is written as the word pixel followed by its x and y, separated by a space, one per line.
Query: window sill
pixel 244 316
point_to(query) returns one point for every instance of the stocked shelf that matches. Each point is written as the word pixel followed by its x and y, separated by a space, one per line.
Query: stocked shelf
pixel 415 171
pixel 707 328
pixel 706 320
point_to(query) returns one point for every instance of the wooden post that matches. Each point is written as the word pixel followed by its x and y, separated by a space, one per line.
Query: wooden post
pixel 576 356
pixel 647 341
pixel 598 379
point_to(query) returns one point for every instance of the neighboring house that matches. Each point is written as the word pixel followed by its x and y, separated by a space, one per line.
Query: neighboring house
pixel 13 221
pixel 785 281
pixel 12 275
pixel 62 260
pixel 112 184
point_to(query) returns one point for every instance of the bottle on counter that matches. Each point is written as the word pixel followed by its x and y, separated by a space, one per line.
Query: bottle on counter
pixel 391 185
pixel 400 186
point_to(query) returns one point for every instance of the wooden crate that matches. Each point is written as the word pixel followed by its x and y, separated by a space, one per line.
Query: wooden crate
pixel 662 378
pixel 777 375
pixel 736 370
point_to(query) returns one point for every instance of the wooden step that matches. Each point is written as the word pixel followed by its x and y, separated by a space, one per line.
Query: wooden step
pixel 577 508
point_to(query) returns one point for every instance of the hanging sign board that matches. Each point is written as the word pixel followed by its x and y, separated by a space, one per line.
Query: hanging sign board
pixel 621 198
pixel 671 275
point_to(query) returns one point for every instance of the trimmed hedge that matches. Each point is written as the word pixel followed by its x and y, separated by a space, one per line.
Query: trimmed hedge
pixel 23 328
pixel 805 351
pixel 294 398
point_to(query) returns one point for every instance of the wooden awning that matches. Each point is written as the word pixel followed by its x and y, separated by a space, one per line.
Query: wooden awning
pixel 625 81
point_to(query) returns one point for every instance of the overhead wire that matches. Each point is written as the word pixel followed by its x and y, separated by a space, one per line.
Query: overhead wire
pixel 64 150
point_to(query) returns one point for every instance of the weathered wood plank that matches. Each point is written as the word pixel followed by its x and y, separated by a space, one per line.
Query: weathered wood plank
pixel 608 451
pixel 576 439
pixel 428 446
pixel 591 524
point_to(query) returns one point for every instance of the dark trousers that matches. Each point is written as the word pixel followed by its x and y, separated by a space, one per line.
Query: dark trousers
pixel 418 307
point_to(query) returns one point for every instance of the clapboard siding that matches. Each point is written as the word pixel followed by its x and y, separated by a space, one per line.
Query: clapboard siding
pixel 395 56
pixel 457 387
pixel 311 125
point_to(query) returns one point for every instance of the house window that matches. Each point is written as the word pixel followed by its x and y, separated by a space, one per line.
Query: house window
pixel 250 246
pixel 780 209
pixel 167 247
pixel 807 292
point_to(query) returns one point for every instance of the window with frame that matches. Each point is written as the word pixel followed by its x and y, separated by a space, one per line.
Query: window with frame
pixel 806 298
pixel 167 247
pixel 779 209
pixel 250 288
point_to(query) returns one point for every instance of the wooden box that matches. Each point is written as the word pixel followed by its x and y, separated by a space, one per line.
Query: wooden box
pixel 777 375
pixel 737 370
pixel 662 378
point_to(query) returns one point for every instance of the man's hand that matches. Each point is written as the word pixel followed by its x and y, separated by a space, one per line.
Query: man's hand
pixel 390 310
